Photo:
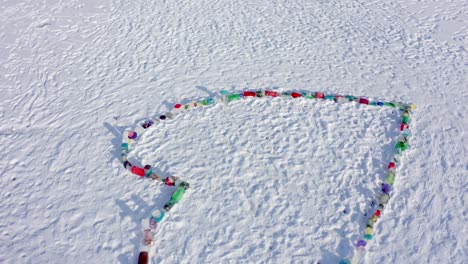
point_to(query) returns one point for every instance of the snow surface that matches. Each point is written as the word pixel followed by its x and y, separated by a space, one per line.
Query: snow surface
pixel 271 180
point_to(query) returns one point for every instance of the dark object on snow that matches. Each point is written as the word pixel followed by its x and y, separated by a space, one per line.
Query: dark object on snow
pixel 143 257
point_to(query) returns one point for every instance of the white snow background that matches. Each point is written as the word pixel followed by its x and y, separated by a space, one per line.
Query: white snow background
pixel 273 181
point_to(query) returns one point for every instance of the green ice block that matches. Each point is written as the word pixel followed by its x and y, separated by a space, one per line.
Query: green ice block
pixel 233 97
pixel 177 195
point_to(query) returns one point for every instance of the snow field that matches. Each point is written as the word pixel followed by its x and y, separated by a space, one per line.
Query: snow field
pixel 74 74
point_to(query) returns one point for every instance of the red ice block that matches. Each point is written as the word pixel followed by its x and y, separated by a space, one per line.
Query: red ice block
pixel 403 126
pixel 177 106
pixel 319 95
pixel 377 213
pixel 143 257
pixel 138 171
pixel 363 101
pixel 271 93
pixel 391 165
pixel 169 181
pixel 296 95
pixel 249 93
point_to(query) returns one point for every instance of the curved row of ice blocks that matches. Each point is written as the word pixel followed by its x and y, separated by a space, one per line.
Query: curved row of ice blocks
pixel 131 136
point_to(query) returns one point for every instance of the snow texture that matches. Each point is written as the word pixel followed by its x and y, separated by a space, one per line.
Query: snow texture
pixel 273 181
